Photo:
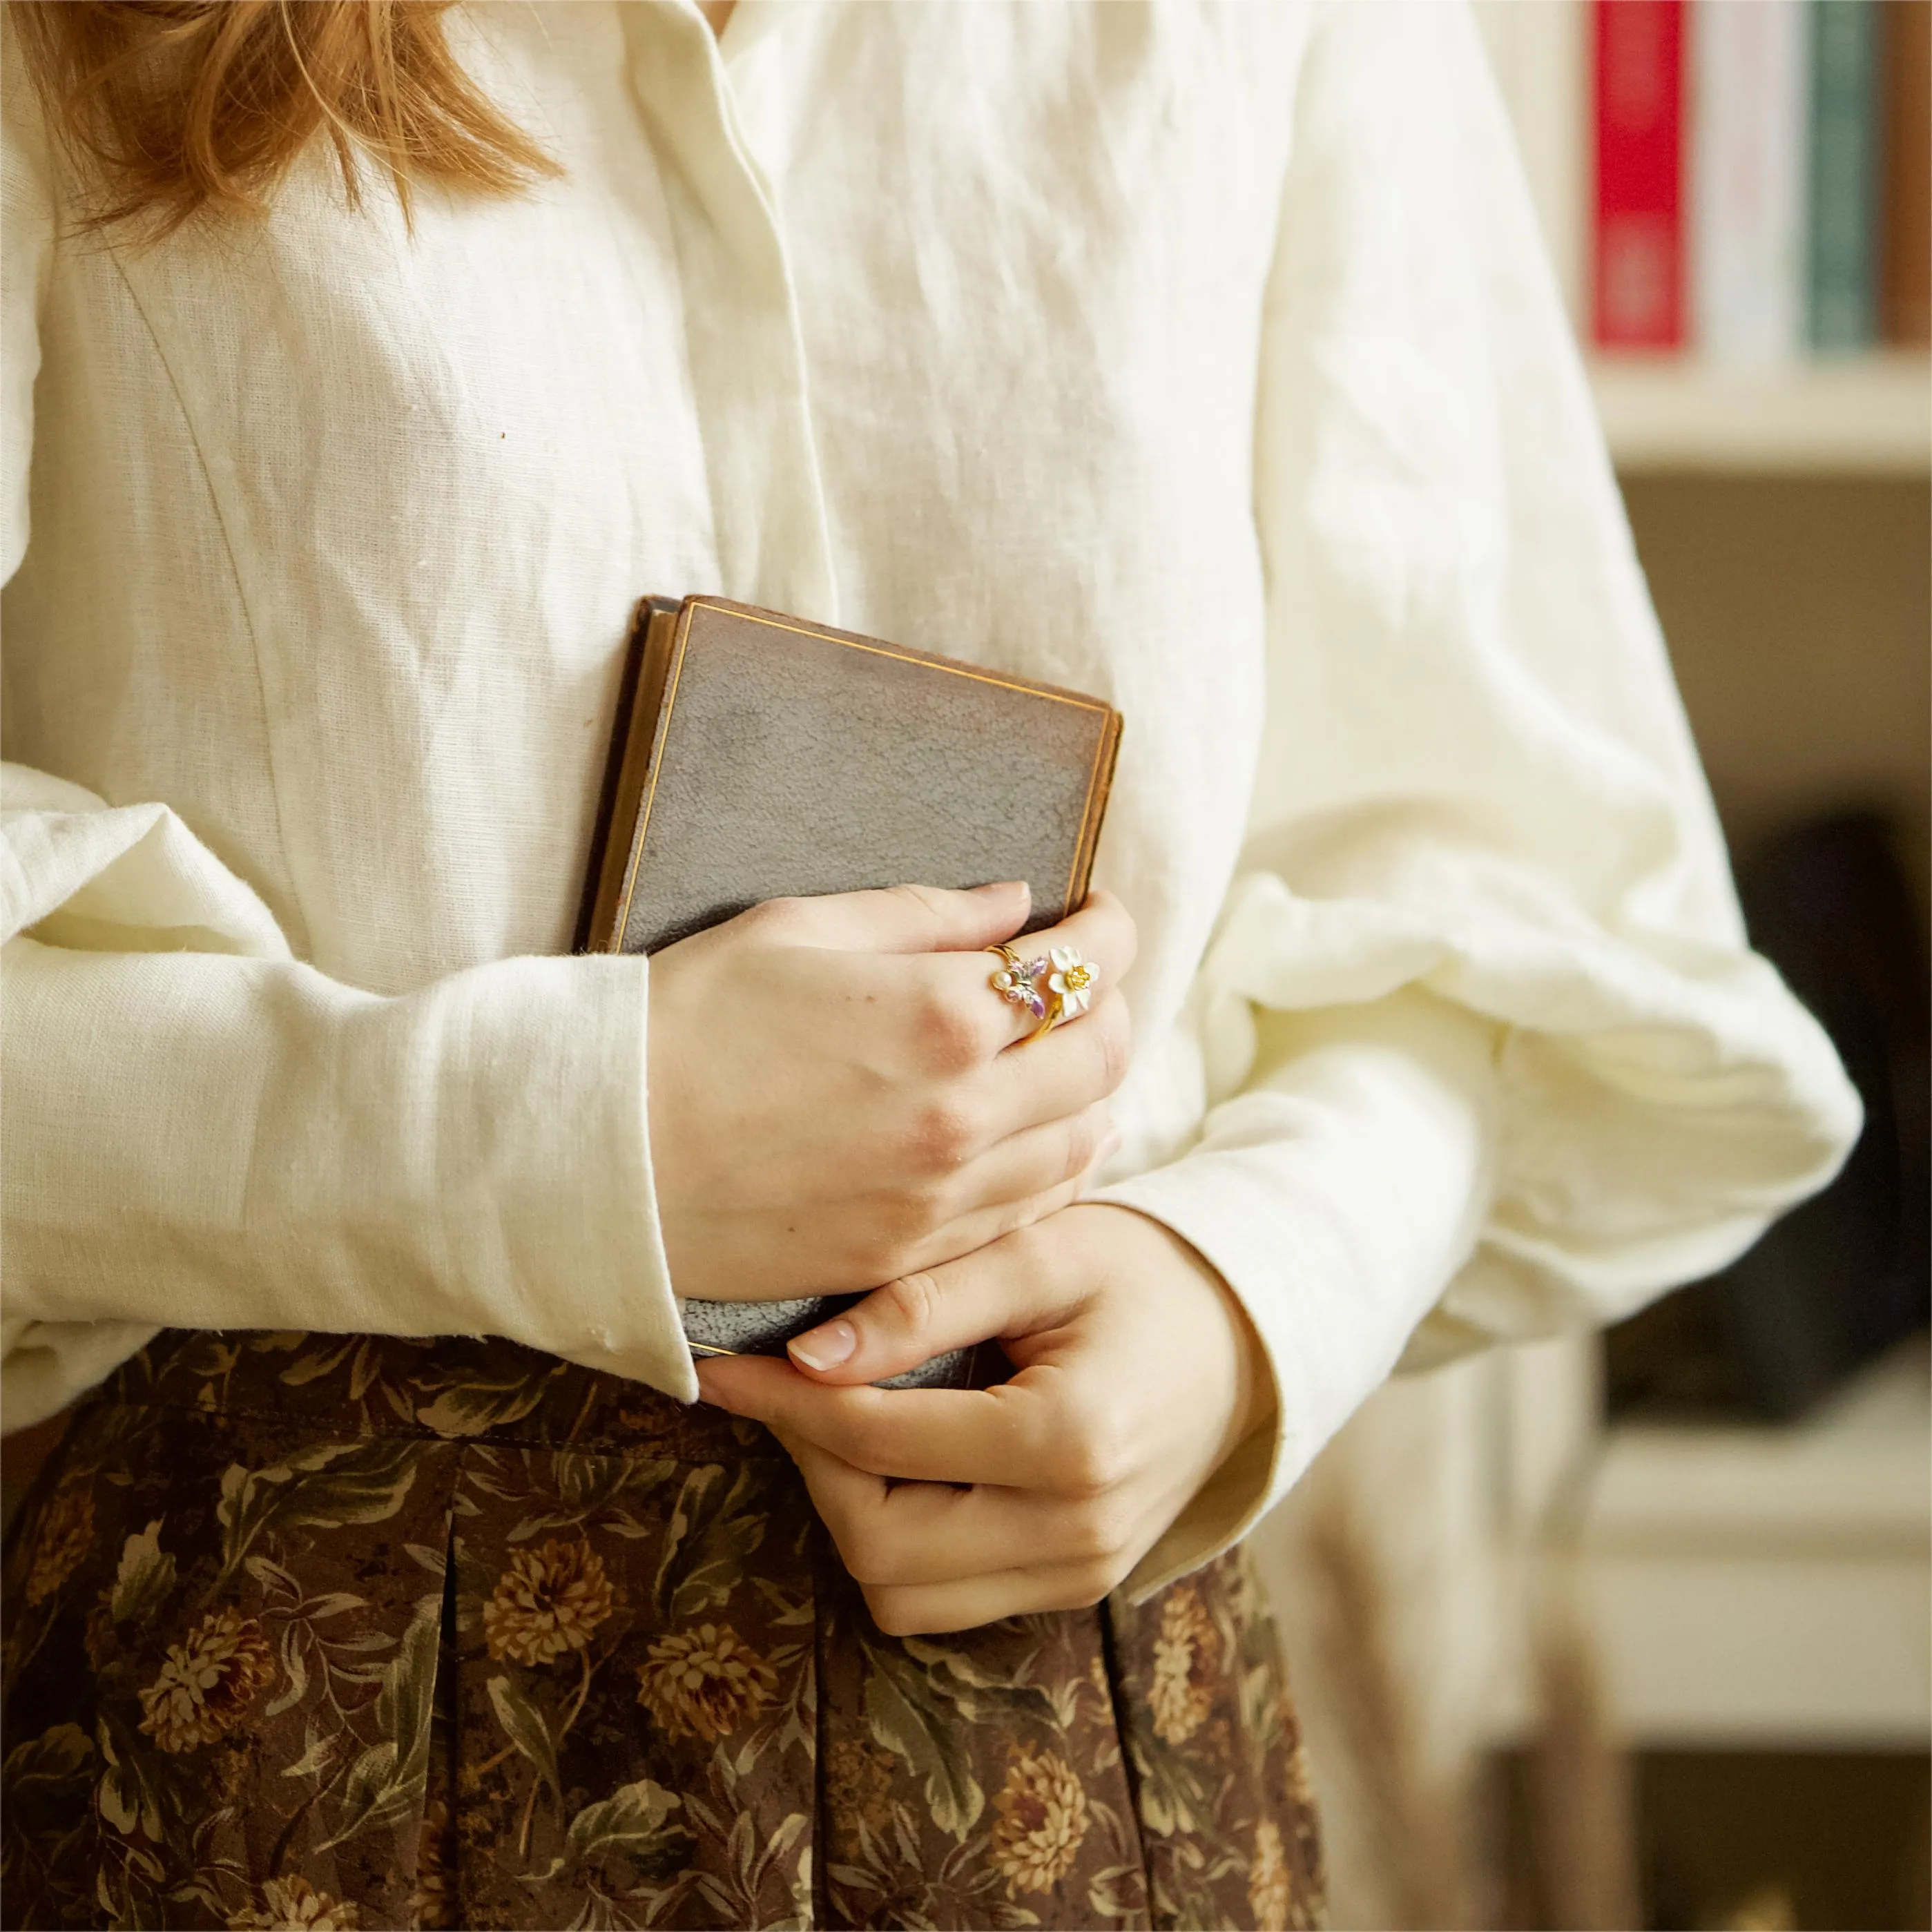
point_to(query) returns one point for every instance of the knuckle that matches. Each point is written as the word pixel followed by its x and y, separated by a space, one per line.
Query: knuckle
pixel 904 1235
pixel 913 1301
pixel 775 922
pixel 885 1260
pixel 1113 1041
pixel 1088 1471
pixel 1029 1257
pixel 1081 1587
pixel 925 908
pixel 863 1251
pixel 1083 1142
pixel 1101 1578
pixel 1125 931
pixel 949 1037
pixel 874 1255
pixel 1094 1458
pixel 835 1512
pixel 1015 1220
pixel 863 1551
pixel 903 1223
pixel 892 1612
pixel 1098 1531
pixel 1023 1216
pixel 943 1136
pixel 774 919
pixel 860 1441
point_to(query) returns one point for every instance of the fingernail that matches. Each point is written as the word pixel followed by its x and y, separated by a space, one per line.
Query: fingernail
pixel 826 1346
pixel 1005 889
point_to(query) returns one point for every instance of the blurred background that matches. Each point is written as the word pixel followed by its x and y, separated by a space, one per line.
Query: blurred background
pixel 1636 1630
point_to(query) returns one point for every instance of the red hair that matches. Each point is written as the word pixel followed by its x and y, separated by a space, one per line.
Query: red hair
pixel 171 105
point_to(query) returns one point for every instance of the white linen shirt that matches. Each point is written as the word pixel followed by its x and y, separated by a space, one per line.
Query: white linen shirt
pixel 1201 356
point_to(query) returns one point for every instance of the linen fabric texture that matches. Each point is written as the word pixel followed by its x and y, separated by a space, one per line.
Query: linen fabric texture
pixel 1204 358
pixel 349 1631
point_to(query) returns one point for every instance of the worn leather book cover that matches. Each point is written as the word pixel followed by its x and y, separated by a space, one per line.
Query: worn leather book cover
pixel 757 756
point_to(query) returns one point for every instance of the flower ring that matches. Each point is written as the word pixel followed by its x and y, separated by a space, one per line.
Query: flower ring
pixel 1017 981
pixel 1072 980
pixel 1054 990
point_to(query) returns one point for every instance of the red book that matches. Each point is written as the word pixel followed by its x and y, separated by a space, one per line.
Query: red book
pixel 1637 244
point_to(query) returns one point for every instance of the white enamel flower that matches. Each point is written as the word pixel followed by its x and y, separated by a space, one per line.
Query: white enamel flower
pixel 1072 979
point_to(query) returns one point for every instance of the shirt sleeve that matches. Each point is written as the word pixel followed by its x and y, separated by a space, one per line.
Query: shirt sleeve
pixel 1478 801
pixel 204 1132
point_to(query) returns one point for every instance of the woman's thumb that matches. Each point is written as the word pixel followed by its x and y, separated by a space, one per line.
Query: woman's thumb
pixel 897 1328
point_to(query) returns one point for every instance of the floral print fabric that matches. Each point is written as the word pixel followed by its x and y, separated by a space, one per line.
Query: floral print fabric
pixel 319 1632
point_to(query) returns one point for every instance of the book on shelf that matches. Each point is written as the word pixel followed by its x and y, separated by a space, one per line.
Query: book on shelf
pixel 1763 180
pixel 1750 81
pixel 1841 280
pixel 1637 251
pixel 1905 214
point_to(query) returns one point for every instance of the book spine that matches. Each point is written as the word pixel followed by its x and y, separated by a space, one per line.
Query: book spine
pixel 1843 279
pixel 1637 252
pixel 1749 65
pixel 1906 214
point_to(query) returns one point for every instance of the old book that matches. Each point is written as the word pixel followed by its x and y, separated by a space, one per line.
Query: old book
pixel 1637 294
pixel 756 756
pixel 1843 226
pixel 1907 195
pixel 1749 114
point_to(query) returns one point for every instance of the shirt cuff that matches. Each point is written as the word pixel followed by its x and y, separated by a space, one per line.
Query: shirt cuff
pixel 1337 1195
pixel 210 1142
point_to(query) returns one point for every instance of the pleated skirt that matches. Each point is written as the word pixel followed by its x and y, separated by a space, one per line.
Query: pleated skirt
pixel 323 1631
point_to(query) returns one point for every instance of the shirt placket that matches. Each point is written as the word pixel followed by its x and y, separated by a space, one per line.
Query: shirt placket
pixel 744 345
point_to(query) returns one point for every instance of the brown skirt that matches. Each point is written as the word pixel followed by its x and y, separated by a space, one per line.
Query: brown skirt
pixel 319 1631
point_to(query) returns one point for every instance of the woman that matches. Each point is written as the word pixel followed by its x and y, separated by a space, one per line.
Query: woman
pixel 1202 359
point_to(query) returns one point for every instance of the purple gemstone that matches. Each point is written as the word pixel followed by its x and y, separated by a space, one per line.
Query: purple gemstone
pixel 1038 967
pixel 1038 1007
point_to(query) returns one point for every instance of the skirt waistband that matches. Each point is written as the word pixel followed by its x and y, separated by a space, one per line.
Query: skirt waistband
pixel 480 1389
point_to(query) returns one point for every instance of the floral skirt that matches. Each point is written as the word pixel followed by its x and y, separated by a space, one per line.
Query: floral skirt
pixel 319 1631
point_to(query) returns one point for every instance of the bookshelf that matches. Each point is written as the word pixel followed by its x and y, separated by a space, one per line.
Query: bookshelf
pixel 1748 1586
pixel 1769 1586
pixel 1759 1589
pixel 1866 415
pixel 1857 415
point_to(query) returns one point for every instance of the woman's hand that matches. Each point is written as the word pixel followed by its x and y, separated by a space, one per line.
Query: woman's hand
pixel 833 1103
pixel 1138 1373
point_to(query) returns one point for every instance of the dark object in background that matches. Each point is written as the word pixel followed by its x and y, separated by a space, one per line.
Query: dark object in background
pixel 1824 1839
pixel 1840 1280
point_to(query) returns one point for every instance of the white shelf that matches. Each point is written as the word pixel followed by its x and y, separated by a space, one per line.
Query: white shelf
pixel 1772 1585
pixel 1868 415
